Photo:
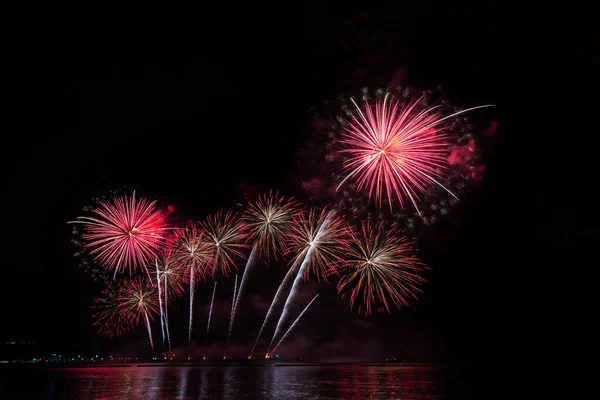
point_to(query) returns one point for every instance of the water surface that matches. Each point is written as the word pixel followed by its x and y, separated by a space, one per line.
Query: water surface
pixel 230 382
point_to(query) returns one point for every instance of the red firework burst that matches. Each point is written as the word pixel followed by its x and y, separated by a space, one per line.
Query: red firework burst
pixel 125 233
pixel 396 148
pixel 268 221
pixel 324 232
pixel 379 269
pixel 227 235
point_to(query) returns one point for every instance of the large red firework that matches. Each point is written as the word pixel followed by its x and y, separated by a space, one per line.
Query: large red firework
pixel 379 269
pixel 269 219
pixel 396 148
pixel 319 236
pixel 125 233
pixel 226 233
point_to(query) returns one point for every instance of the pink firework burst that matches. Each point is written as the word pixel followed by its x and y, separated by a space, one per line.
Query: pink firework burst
pixel 125 233
pixel 396 148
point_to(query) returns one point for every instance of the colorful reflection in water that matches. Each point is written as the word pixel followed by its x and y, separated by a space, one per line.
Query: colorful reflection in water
pixel 239 382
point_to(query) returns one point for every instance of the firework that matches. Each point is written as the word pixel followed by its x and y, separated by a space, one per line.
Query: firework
pixel 212 302
pixel 396 149
pixel 380 270
pixel 291 328
pixel 160 304
pixel 125 233
pixel 268 221
pixel 233 304
pixel 320 238
pixel 226 236
pixel 189 252
pixel 138 301
pixel 236 297
pixel 287 280
pixel 97 272
pixel 107 317
pixel 170 277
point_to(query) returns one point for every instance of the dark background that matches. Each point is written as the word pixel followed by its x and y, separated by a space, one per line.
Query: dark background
pixel 192 110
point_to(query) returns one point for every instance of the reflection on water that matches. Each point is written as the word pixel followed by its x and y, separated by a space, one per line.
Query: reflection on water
pixel 238 382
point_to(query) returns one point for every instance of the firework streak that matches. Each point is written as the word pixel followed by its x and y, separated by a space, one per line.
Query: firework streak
pixel 160 304
pixel 233 303
pixel 298 280
pixel 251 261
pixel 289 276
pixel 191 304
pixel 212 301
pixel 286 334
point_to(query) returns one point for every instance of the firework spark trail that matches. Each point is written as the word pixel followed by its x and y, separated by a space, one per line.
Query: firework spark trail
pixel 287 333
pixel 249 264
pixel 298 280
pixel 233 303
pixel 212 301
pixel 191 304
pixel 277 299
pixel 149 330
pixel 172 284
pixel 162 316
pixel 190 252
pixel 167 317
pixel 396 151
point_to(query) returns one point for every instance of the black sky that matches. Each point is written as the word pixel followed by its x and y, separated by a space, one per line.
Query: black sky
pixel 191 113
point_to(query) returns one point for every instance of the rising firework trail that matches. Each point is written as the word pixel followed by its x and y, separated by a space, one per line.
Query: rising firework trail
pixel 322 235
pixel 233 304
pixel 287 280
pixel 160 304
pixel 190 251
pixel 171 281
pixel 212 301
pixel 379 269
pixel 396 148
pixel 287 333
pixel 251 261
pixel 125 233
pixel 268 221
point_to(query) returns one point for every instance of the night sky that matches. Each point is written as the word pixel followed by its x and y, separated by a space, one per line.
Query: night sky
pixel 196 114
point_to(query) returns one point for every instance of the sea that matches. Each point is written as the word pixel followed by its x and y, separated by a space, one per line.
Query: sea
pixel 277 381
